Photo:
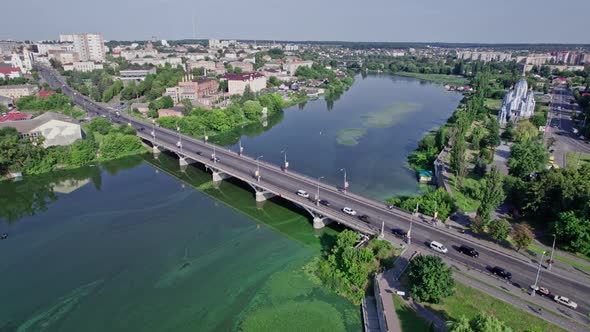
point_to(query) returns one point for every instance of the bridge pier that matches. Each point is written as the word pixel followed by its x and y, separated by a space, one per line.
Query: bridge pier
pixel 320 222
pixel 218 176
pixel 156 149
pixel 184 161
pixel 261 194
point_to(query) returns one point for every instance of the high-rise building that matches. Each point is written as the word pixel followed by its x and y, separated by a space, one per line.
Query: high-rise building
pixel 90 47
pixel 66 38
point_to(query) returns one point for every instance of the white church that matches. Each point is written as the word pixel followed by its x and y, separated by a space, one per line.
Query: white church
pixel 518 103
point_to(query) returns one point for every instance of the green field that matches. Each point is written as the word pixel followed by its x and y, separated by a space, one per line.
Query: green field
pixel 493 104
pixel 350 136
pixel 575 159
pixel 390 115
pixel 557 257
pixel 469 301
pixel 437 78
pixel 409 319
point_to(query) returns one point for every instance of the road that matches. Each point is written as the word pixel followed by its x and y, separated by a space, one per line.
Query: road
pixel 562 126
pixel 287 183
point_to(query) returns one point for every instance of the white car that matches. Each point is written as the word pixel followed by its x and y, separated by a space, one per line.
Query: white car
pixel 349 211
pixel 437 246
pixel 302 193
pixel 565 301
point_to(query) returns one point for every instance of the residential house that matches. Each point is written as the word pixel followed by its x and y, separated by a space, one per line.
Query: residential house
pixel 291 67
pixel 138 54
pixel 15 116
pixel 237 83
pixel 17 91
pixel 9 72
pixel 244 66
pixel 57 129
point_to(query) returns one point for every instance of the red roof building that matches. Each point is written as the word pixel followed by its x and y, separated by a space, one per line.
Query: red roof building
pixel 9 72
pixel 14 116
pixel 45 94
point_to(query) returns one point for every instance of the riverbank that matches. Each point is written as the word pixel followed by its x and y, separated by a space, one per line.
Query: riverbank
pixel 103 141
pixel 437 78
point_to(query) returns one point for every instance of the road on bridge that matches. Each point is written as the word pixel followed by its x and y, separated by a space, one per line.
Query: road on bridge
pixel 287 183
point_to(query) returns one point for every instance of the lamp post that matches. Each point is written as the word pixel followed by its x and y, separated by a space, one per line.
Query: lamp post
pixel 179 138
pixel 205 137
pixel 286 164
pixel 258 168
pixel 345 182
pixel 154 129
pixel 317 196
pixel 552 251
pixel 538 272
pixel 411 223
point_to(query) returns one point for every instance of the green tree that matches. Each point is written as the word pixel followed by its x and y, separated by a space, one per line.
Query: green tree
pixel 485 323
pixel 499 229
pixel 477 136
pixel 522 235
pixel 573 232
pixel 252 110
pixel 273 81
pixel 430 279
pixel 458 162
pixel 460 325
pixel 492 194
pixel 526 157
pixel 247 95
pixel 526 131
pixel 100 125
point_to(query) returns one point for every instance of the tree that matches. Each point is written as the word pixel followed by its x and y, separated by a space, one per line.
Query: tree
pixel 526 157
pixel 485 323
pixel 100 125
pixel 477 136
pixel 499 229
pixel 573 232
pixel 491 195
pixel 526 131
pixel 430 279
pixel 252 110
pixel 247 95
pixel 460 325
pixel 458 162
pixel 273 81
pixel 522 235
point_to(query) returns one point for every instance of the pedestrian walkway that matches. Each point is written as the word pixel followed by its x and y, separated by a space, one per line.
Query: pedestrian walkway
pixel 370 315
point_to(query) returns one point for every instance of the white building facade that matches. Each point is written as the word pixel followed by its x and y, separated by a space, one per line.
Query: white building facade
pixel 518 103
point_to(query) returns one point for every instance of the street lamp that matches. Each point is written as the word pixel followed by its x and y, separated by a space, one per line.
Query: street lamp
pixel 258 168
pixel 205 137
pixel 411 223
pixel 317 196
pixel 179 138
pixel 538 272
pixel 552 251
pixel 345 182
pixel 286 164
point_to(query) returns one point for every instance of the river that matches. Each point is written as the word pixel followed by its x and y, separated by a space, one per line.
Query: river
pixel 139 245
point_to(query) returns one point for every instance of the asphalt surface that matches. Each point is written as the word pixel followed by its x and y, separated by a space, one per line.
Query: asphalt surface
pixel 286 184
pixel 562 126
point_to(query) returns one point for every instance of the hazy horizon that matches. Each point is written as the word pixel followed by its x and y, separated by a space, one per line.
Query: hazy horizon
pixel 397 21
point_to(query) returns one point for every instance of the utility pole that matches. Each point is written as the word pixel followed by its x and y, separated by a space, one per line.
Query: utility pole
pixel 552 251
pixel 538 272
pixel 317 196
pixel 411 223
pixel 345 182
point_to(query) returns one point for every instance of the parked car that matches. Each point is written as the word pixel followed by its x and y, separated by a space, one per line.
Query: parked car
pixel 437 246
pixel 365 218
pixel 468 251
pixel 349 211
pixel 302 193
pixel 399 232
pixel 565 301
pixel 501 273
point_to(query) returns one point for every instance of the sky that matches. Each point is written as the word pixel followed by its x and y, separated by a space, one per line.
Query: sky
pixel 474 21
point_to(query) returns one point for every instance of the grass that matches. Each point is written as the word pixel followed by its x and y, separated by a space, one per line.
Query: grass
pixel 350 136
pixel 465 203
pixel 469 301
pixel 437 78
pixel 388 116
pixel 539 251
pixel 409 319
pixel 577 159
pixel 493 104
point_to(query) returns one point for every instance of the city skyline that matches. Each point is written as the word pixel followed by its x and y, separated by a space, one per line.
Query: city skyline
pixel 382 21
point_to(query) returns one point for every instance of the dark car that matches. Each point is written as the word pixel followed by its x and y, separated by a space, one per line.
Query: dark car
pixel 365 218
pixel 500 272
pixel 324 202
pixel 399 232
pixel 142 129
pixel 468 251
pixel 199 153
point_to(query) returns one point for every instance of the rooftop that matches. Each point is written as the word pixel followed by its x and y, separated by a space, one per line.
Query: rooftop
pixel 242 77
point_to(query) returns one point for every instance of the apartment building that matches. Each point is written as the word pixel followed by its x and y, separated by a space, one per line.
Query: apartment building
pixel 90 47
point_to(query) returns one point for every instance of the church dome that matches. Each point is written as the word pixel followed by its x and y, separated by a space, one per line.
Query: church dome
pixel 521 85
